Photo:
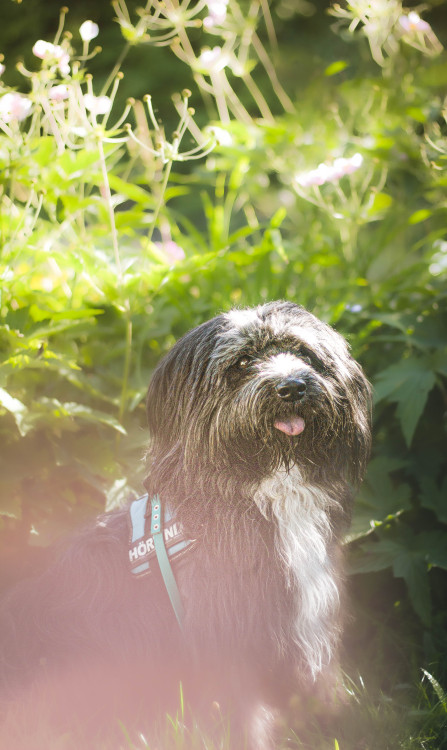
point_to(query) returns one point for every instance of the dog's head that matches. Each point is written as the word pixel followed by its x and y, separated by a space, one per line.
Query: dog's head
pixel 254 390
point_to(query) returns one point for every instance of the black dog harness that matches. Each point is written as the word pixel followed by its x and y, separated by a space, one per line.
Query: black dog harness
pixel 156 534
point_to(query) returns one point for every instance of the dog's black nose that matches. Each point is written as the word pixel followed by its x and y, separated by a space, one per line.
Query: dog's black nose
pixel 291 389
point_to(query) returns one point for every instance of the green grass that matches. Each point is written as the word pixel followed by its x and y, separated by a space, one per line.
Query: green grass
pixel 411 717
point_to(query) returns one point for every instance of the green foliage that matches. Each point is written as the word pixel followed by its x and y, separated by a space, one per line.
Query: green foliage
pixel 117 238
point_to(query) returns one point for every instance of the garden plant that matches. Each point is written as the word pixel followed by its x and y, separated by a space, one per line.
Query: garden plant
pixel 125 222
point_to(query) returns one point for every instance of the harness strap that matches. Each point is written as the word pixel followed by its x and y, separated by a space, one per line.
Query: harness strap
pixel 163 559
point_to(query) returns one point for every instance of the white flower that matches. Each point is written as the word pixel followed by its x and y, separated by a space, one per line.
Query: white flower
pixel 330 172
pixel 315 177
pixel 59 93
pixel 88 30
pixel 352 164
pixel 14 106
pixel 412 22
pixel 222 137
pixel 2 69
pixel 53 52
pixel 43 49
pixel 64 66
pixel 98 105
pixel 213 60
pixel 79 131
pixel 217 10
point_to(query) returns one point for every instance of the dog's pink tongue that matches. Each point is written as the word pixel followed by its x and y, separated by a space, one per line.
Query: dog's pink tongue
pixel 293 426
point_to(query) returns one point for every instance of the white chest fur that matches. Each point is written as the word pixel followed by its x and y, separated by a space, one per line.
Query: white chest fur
pixel 303 538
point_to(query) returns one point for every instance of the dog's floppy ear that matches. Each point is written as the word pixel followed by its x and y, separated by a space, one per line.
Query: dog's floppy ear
pixel 176 378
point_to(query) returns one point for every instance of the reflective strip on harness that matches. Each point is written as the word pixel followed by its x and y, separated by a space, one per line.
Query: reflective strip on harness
pixel 164 561
pixel 142 553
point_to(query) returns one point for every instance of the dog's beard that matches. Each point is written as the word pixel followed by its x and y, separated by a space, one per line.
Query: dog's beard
pixel 303 539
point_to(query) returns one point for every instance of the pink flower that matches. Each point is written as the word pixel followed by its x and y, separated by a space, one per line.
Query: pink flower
pixel 342 167
pixel 2 69
pixel 59 93
pixel 171 249
pixel 318 176
pixel 412 22
pixel 14 106
pixel 330 172
pixel 217 10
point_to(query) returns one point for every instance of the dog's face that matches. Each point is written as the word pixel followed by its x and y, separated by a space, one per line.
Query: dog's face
pixel 255 390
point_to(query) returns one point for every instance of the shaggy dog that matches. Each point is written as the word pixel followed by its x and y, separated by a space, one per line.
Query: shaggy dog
pixel 259 423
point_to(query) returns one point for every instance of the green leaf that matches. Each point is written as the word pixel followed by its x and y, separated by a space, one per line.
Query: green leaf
pixel 380 203
pixel 433 545
pixel 417 114
pixel 275 237
pixel 376 556
pixel 17 409
pixel 380 498
pixel 336 67
pixel 86 414
pixel 419 216
pixel 407 554
pixel 412 568
pixel 38 314
pixel 410 556
pixel 407 383
pixel 435 498
pixel 58 416
pixel 74 163
pixel 240 234
pixel 43 150
pixel 278 217
pixel 134 192
pixel 439 361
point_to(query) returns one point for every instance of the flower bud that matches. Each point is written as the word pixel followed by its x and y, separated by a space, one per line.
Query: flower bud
pixel 88 31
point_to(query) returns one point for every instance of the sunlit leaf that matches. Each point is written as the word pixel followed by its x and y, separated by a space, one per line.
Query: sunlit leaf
pixel 419 216
pixel 17 409
pixel 335 67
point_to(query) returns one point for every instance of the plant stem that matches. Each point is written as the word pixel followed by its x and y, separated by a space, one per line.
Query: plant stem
pixel 127 359
pixel 124 299
pixel 160 201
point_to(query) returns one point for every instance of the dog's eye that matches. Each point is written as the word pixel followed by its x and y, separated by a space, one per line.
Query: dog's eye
pixel 243 363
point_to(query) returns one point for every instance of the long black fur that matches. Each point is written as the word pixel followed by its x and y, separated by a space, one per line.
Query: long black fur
pixel 101 645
